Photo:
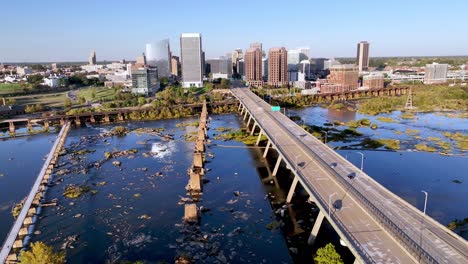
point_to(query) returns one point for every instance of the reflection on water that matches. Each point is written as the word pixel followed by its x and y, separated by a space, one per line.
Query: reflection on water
pixel 343 115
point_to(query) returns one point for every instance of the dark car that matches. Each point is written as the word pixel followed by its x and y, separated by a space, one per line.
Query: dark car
pixel 333 165
pixel 301 164
pixel 352 175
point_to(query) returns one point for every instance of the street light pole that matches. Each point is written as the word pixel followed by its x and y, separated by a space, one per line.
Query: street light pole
pixel 362 160
pixel 329 204
pixel 425 200
pixel 326 136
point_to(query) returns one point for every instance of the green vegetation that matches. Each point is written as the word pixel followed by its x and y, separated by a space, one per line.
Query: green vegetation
pixel 461 140
pixel 16 210
pixel 337 106
pixel 386 119
pixel 426 98
pixel 328 255
pixel 119 131
pixel 98 94
pixel 74 191
pixel 407 115
pixel 457 223
pixel 240 135
pixel 41 253
pixel 273 225
pixel 358 123
pixel 11 88
pixel 412 132
pixel 444 145
pixel 424 147
pixel 185 124
pixel 393 144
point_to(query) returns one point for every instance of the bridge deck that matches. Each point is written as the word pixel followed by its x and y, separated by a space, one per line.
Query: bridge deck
pixel 380 226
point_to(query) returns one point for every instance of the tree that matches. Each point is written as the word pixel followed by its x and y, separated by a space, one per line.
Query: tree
pixel 81 100
pixel 68 102
pixel 41 253
pixel 225 83
pixel 328 255
pixel 35 79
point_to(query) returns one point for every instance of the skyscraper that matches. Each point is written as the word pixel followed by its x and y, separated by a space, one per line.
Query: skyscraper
pixel 144 80
pixel 363 56
pixel 236 55
pixel 253 67
pixel 159 54
pixel 256 45
pixel 141 60
pixel 220 68
pixel 191 60
pixel 92 58
pixel 277 67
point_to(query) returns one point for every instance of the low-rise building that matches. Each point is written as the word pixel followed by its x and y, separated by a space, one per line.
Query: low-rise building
pixel 375 81
pixel 52 81
pixel 22 71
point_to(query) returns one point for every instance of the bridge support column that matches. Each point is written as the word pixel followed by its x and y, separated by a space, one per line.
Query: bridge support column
pixel 30 127
pixel 267 148
pixel 62 121
pixel 77 121
pixel 120 117
pixel 259 137
pixel 92 119
pixel 242 110
pixel 253 129
pixel 278 162
pixel 12 128
pixel 240 106
pixel 106 118
pixel 316 228
pixel 292 189
pixel 248 122
pixel 246 113
pixel 46 126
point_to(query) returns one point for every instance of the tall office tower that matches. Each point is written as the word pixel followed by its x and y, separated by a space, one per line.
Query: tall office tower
pixel 220 68
pixel 141 60
pixel 265 69
pixel 92 58
pixel 363 56
pixel 346 75
pixel 435 73
pixel 191 60
pixel 253 67
pixel 277 67
pixel 159 54
pixel 241 67
pixel 175 65
pixel 256 45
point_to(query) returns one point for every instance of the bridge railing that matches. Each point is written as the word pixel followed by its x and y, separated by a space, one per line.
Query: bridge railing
pixel 412 246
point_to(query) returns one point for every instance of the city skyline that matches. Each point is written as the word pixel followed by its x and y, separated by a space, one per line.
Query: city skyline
pixel 122 31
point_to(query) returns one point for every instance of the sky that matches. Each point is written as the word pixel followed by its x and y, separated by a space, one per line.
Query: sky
pixel 58 30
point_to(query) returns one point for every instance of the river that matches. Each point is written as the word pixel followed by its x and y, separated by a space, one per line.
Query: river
pixel 132 211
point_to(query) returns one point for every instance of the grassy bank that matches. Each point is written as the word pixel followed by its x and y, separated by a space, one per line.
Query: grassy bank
pixel 427 98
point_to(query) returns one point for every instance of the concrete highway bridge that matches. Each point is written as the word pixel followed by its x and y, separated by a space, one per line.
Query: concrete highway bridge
pixel 355 94
pixel 375 224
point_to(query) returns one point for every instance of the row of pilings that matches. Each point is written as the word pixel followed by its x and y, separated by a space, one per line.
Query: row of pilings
pixel 196 172
pixel 23 228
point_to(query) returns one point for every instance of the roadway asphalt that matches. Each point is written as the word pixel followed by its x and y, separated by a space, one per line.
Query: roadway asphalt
pixel 349 213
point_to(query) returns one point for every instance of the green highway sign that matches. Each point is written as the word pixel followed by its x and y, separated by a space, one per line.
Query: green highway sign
pixel 275 108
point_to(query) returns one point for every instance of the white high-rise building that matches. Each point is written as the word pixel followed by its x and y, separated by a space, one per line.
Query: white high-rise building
pixel 191 60
pixel 363 56
pixel 435 73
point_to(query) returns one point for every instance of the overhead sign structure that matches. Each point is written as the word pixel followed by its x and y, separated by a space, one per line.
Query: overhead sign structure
pixel 275 108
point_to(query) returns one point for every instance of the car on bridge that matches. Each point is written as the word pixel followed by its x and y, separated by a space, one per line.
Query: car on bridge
pixel 352 175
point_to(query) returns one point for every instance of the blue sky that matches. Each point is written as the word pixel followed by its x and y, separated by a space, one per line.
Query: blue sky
pixel 66 30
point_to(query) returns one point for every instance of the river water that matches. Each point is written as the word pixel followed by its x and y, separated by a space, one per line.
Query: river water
pixel 132 211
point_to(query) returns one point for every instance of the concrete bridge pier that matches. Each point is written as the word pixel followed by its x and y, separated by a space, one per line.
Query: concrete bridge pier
pixel 46 125
pixel 242 110
pixel 77 121
pixel 120 116
pixel 29 126
pixel 106 118
pixel 239 107
pixel 259 137
pixel 248 122
pixel 12 128
pixel 278 163
pixel 316 228
pixel 253 128
pixel 267 148
pixel 245 115
pixel 92 119
pixel 292 189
